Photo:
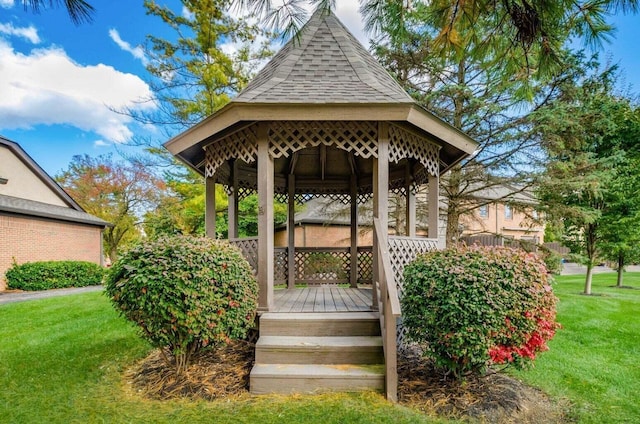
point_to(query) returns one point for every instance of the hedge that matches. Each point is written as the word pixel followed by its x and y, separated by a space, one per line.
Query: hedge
pixel 53 275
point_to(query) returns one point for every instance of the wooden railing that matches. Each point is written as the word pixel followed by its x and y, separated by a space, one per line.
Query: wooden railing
pixel 313 265
pixel 389 308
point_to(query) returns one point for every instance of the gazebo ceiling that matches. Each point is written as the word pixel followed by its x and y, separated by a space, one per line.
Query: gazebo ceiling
pixel 324 76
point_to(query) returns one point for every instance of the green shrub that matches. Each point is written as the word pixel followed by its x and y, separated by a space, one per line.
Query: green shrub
pixel 185 293
pixel 53 275
pixel 475 306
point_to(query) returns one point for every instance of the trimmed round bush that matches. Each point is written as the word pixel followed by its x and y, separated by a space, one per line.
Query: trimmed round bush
pixel 185 293
pixel 53 275
pixel 471 307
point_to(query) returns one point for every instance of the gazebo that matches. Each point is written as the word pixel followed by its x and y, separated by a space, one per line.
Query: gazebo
pixel 324 118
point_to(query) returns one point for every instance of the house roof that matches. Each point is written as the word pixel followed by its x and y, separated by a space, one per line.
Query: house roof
pixel 325 63
pixel 45 210
pixel 73 212
pixel 326 211
pixel 506 193
pixel 39 172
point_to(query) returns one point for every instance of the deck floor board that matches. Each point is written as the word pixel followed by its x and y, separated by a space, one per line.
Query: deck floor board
pixel 322 299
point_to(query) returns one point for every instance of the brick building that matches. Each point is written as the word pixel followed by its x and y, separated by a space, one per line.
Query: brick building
pixel 39 221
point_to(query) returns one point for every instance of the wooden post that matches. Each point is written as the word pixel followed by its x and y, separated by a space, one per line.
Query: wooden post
pixel 411 203
pixel 210 207
pixel 434 208
pixel 353 278
pixel 265 221
pixel 291 232
pixel 380 202
pixel 233 202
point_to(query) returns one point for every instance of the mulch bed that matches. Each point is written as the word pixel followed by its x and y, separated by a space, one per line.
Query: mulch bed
pixel 494 398
pixel 224 373
pixel 214 374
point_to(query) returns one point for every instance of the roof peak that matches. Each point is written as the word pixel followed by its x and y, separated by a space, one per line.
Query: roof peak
pixel 324 63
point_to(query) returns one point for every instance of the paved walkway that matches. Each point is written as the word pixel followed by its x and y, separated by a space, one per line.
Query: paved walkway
pixel 24 296
pixel 570 268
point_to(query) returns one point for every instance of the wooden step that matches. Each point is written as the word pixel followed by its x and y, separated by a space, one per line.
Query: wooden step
pixel 320 324
pixel 319 350
pixel 296 378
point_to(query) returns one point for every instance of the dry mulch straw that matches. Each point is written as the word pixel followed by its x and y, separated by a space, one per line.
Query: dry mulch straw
pixel 214 374
pixel 495 398
pixel 224 372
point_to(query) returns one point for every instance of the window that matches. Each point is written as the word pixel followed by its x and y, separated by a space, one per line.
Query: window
pixel 508 213
pixel 484 211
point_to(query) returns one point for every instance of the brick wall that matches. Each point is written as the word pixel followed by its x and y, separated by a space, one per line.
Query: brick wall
pixel 33 239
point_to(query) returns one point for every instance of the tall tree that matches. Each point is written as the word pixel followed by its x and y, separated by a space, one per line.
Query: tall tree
pixel 114 191
pixel 469 91
pixel 586 181
pixel 195 72
pixel 210 58
pixel 620 223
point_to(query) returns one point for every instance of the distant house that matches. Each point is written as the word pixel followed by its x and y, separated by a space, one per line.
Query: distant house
pixel 324 222
pixel 506 212
pixel 39 221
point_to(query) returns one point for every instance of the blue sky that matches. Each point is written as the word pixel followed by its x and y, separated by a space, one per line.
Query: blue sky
pixel 59 82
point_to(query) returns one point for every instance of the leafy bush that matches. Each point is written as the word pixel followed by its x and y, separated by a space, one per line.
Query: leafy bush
pixel 185 294
pixel 53 275
pixel 475 306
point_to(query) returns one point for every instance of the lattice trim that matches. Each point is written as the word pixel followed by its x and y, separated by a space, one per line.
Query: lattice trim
pixel 404 144
pixel 403 250
pixel 239 145
pixel 249 249
pixel 359 137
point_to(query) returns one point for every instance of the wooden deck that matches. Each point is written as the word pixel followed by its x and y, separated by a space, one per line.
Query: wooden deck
pixel 323 299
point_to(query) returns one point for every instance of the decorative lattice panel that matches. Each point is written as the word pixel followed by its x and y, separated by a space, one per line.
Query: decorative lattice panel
pixel 404 144
pixel 244 192
pixel 239 145
pixel 302 198
pixel 315 266
pixel 365 265
pixel 280 266
pixel 359 137
pixel 403 250
pixel 249 248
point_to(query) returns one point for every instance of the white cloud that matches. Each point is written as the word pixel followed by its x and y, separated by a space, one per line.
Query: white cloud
pixel 29 33
pixel 100 143
pixel 187 14
pixel 347 12
pixel 136 51
pixel 46 87
pixel 6 4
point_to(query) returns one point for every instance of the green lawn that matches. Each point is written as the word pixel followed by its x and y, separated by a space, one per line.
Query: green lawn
pixel 61 361
pixel 594 360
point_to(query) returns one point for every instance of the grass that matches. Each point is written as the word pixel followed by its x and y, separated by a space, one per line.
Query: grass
pixel 61 361
pixel 594 360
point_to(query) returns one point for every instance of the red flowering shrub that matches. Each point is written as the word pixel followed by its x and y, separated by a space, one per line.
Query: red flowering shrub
pixel 471 307
pixel 185 293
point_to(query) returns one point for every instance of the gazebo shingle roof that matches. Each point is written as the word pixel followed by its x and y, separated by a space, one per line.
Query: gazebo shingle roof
pixel 324 64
